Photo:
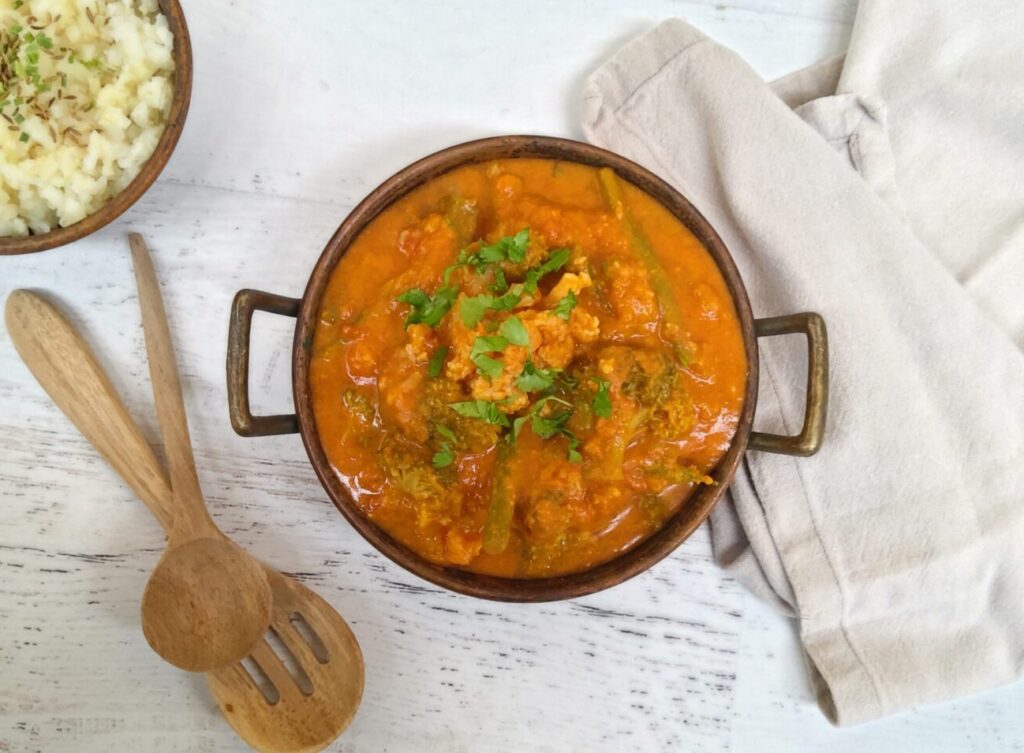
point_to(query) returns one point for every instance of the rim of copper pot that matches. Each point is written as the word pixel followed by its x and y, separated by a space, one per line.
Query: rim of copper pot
pixel 152 168
pixel 626 565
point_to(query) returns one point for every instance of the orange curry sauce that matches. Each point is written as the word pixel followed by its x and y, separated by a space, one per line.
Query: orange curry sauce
pixel 624 364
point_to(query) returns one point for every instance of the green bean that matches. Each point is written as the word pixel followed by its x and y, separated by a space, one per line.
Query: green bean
pixel 642 249
pixel 461 215
pixel 498 525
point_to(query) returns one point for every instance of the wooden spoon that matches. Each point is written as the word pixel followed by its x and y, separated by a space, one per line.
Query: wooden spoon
pixel 208 601
pixel 282 709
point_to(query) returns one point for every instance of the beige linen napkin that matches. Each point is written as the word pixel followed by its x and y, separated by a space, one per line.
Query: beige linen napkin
pixel 899 547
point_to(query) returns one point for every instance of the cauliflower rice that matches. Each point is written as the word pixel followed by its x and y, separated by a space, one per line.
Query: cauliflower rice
pixel 85 89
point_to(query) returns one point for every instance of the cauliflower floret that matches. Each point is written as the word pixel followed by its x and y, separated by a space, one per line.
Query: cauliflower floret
pixel 586 328
pixel 422 341
pixel 631 295
pixel 459 365
pixel 550 340
pixel 570 282
pixel 503 389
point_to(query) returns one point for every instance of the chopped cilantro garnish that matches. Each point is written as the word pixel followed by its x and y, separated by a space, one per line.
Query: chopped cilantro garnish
pixel 481 409
pixel 491 254
pixel 443 457
pixel 489 367
pixel 517 426
pixel 445 432
pixel 573 453
pixel 510 248
pixel 566 305
pixel 602 403
pixel 510 299
pixel 512 329
pixel 556 260
pixel 548 426
pixel 488 344
pixel 500 284
pixel 427 309
pixel 533 379
pixel 431 309
pixel 436 363
pixel 553 424
pixel 472 309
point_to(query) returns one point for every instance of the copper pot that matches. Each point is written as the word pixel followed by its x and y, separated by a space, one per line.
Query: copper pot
pixel 675 530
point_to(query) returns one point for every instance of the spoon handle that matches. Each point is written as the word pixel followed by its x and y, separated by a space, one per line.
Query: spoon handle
pixel 191 517
pixel 64 365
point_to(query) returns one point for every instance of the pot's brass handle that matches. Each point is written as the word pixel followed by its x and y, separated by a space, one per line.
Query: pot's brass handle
pixel 808 440
pixel 242 308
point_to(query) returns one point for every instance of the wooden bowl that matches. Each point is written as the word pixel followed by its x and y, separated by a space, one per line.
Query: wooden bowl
pixel 154 165
pixel 627 564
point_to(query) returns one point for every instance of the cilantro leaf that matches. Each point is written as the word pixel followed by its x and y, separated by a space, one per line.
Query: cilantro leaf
pixel 489 367
pixel 551 425
pixel 511 248
pixel 443 457
pixel 472 309
pixel 516 247
pixel 508 301
pixel 517 426
pixel 573 453
pixel 602 400
pixel 533 379
pixel 556 260
pixel 436 363
pixel 445 432
pixel 566 305
pixel 427 309
pixel 500 284
pixel 548 426
pixel 488 344
pixel 481 409
pixel 512 329
pixel 492 254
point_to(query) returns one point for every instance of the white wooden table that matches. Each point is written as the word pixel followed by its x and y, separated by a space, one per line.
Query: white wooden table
pixel 299 109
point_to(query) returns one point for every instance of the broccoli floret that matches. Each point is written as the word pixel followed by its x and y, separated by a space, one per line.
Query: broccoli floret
pixel 471 435
pixel 674 417
pixel 360 406
pixel 655 509
pixel 654 385
pixel 651 379
pixel 408 467
pixel 673 473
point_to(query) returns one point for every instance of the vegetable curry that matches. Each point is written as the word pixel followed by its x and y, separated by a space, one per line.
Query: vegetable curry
pixel 523 367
